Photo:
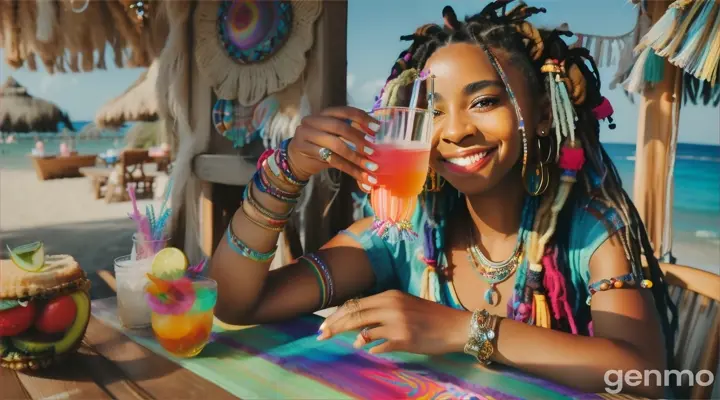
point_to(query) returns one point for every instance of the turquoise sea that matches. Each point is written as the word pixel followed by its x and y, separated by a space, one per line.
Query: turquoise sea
pixel 696 213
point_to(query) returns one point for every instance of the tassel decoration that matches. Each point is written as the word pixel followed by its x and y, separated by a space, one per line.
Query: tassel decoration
pixel 542 311
pixel 687 36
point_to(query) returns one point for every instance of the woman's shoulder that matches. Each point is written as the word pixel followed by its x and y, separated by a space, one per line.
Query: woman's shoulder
pixel 592 213
pixel 594 221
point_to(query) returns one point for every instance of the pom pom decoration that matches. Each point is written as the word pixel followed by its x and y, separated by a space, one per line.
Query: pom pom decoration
pixel 572 158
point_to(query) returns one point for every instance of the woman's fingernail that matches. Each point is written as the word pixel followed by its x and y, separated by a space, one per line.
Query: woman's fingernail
pixel 374 126
pixel 369 138
pixel 368 150
pixel 367 188
pixel 372 179
pixel 371 166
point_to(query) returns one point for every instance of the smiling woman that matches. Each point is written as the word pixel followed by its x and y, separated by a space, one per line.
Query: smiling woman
pixel 523 219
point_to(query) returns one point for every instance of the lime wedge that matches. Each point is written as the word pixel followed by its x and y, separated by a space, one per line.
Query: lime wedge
pixel 29 257
pixel 169 263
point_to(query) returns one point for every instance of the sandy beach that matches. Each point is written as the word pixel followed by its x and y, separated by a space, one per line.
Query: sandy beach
pixel 63 214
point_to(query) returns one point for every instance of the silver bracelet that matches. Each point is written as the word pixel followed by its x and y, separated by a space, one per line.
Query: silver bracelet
pixel 482 334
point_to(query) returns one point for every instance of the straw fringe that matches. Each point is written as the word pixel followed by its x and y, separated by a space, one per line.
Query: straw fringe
pixel 49 30
pixel 250 83
pixel 46 20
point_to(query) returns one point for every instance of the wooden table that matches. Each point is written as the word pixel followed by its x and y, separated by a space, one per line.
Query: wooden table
pixel 110 366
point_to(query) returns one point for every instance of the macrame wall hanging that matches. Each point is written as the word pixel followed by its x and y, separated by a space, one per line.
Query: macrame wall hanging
pixel 254 54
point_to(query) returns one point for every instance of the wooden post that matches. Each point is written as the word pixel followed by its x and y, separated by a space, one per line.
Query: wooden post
pixel 655 127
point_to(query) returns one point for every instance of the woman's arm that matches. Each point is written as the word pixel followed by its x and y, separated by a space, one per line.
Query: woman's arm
pixel 627 336
pixel 248 293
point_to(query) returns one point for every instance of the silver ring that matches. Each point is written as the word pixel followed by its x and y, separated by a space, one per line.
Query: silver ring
pixel 325 154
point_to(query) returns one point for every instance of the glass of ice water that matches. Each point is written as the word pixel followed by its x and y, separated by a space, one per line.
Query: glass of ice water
pixel 130 281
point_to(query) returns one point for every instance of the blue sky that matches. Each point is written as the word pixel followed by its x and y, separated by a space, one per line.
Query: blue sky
pixel 375 27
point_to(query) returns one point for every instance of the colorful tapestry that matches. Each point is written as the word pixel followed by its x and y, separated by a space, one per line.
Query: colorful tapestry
pixel 285 361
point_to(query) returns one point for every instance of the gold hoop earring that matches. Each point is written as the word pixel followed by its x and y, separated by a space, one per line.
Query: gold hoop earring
pixel 434 182
pixel 537 183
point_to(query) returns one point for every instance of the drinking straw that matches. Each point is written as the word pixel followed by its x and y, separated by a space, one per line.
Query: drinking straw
pixel 414 96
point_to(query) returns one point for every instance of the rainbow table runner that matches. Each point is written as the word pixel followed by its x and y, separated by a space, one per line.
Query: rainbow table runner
pixel 285 361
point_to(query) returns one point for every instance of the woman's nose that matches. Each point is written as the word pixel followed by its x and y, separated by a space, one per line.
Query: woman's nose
pixel 458 128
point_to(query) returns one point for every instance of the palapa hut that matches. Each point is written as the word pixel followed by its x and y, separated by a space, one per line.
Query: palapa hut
pixel 137 103
pixel 22 113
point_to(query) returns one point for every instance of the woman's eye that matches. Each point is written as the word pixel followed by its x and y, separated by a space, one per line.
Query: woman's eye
pixel 437 113
pixel 485 102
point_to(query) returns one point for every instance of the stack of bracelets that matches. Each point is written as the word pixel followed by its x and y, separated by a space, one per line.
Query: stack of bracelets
pixel 275 178
pixel 483 327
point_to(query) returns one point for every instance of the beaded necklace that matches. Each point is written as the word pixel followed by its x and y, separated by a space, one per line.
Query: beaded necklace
pixel 496 272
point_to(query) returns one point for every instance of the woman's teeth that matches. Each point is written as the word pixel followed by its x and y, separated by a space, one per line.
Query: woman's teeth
pixel 469 160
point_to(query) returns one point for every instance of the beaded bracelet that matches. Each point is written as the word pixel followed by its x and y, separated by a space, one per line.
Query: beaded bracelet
pixel 242 249
pixel 482 333
pixel 248 196
pixel 324 278
pixel 269 224
pixel 617 282
pixel 282 160
pixel 264 186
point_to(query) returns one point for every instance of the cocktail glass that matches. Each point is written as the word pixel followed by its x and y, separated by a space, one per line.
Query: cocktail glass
pixel 185 334
pixel 143 248
pixel 402 152
pixel 130 281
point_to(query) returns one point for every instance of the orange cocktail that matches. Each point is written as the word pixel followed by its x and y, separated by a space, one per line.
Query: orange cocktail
pixel 402 152
pixel 185 333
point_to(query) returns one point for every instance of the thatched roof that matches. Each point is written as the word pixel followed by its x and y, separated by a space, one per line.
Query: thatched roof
pixel 74 35
pixel 20 112
pixel 137 103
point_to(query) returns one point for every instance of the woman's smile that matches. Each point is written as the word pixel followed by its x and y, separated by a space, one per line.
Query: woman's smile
pixel 469 161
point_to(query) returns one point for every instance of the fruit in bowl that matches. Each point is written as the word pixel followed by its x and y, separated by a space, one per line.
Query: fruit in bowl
pixel 44 308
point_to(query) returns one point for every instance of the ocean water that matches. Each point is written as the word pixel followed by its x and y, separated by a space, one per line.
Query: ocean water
pixel 696 208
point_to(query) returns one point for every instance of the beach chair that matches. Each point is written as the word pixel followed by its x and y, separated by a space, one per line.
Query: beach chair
pixel 130 171
pixel 697 346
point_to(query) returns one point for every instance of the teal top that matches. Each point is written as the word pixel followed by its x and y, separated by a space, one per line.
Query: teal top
pixel 400 265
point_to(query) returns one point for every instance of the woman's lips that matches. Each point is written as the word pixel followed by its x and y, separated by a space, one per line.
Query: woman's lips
pixel 470 163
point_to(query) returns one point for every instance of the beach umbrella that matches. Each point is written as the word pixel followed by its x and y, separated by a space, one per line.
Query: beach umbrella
pixel 20 112
pixel 137 103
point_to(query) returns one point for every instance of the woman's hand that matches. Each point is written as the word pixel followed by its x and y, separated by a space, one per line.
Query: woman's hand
pixel 405 323
pixel 349 145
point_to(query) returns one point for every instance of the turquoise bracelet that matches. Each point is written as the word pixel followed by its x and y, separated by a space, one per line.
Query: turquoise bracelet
pixel 242 249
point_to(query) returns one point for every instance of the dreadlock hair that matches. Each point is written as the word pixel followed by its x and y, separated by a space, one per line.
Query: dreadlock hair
pixel 580 169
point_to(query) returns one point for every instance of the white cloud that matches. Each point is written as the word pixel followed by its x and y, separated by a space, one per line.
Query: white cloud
pixel 371 88
pixel 350 81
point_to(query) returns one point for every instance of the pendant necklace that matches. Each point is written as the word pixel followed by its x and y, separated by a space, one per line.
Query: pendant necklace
pixel 491 271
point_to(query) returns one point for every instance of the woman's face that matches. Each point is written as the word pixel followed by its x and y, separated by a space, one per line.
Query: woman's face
pixel 476 143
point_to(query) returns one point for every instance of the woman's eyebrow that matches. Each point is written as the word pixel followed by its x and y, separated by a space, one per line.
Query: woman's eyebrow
pixel 475 87
pixel 472 88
